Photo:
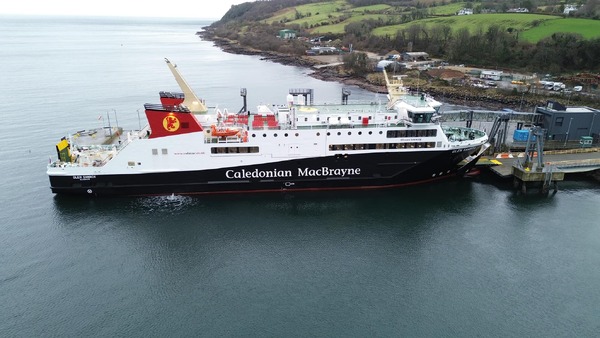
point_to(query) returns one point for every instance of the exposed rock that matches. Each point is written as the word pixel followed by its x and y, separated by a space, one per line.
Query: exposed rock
pixel 333 74
pixel 469 96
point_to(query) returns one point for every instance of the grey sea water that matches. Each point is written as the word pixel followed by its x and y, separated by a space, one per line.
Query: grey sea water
pixel 455 258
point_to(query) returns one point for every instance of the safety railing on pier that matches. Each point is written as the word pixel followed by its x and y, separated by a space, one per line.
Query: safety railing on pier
pixel 489 115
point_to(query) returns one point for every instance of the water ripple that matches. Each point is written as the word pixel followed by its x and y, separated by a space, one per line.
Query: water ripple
pixel 170 204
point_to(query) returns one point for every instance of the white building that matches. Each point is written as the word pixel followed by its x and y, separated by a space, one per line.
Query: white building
pixel 569 9
pixel 465 11
pixel 518 10
pixel 491 75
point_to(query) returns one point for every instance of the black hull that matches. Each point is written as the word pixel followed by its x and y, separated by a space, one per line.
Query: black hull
pixel 360 171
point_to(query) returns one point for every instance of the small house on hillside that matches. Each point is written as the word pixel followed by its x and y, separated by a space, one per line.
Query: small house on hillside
pixel 569 9
pixel 287 34
pixel 465 11
pixel 518 10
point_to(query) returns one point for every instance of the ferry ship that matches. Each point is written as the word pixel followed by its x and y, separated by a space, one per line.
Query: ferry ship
pixel 188 149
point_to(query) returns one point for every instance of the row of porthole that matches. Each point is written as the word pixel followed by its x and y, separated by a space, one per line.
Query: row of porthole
pixel 319 134
pixel 440 174
pixel 286 135
pixel 350 133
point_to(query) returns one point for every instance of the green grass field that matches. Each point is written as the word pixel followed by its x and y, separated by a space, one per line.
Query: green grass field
pixel 373 8
pixel 315 20
pixel 520 22
pixel 531 27
pixel 339 27
pixel 450 9
pixel 320 10
pixel 589 29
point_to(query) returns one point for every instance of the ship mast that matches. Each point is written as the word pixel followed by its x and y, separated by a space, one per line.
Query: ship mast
pixel 191 101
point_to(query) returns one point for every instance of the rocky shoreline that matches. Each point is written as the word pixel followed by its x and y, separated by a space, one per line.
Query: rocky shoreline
pixel 325 74
pixel 462 96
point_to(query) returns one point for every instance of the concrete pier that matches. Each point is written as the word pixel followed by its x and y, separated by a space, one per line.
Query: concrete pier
pixel 542 179
pixel 557 164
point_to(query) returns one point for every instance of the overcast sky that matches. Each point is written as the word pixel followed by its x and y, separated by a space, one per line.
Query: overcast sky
pixel 202 9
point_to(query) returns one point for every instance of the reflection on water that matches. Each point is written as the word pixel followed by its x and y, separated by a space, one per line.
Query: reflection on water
pixel 430 201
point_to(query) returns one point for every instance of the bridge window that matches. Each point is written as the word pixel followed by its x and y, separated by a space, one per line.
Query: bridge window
pixel 412 133
pixel 233 150
pixel 381 146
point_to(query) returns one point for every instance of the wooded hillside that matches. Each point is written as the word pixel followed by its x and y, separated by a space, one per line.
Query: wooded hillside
pixel 542 40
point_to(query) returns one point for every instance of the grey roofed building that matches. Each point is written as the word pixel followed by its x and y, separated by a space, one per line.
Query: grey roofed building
pixel 569 123
pixel 415 56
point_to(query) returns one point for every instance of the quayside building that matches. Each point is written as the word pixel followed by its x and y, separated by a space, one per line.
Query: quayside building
pixel 569 123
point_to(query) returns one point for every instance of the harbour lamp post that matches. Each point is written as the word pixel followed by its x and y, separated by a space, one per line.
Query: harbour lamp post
pixel 521 105
pixel 568 130
pixel 139 120
pixel 109 127
pixel 116 119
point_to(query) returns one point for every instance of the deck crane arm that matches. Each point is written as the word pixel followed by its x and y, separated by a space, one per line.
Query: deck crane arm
pixel 191 101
